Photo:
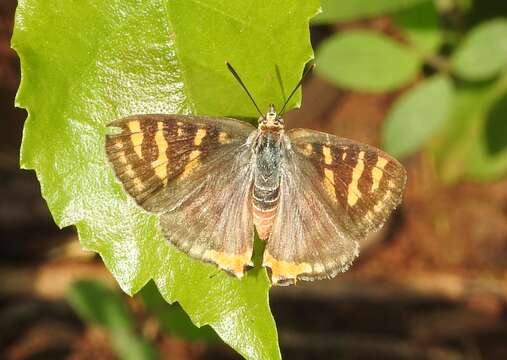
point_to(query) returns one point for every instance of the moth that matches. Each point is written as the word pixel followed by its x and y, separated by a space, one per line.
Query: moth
pixel 311 196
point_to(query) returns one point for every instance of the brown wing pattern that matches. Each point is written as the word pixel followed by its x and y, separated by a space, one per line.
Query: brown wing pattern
pixel 171 163
pixel 210 218
pixel 152 151
pixel 363 180
pixel 334 192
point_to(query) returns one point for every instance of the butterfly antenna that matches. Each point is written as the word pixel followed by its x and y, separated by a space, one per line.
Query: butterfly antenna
pixel 305 75
pixel 236 76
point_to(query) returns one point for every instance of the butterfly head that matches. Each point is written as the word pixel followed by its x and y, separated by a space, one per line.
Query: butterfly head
pixel 271 121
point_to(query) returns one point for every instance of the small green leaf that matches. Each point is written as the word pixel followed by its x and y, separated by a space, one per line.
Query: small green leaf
pixel 488 154
pixel 473 144
pixel 366 60
pixel 417 115
pixel 342 10
pixel 86 63
pixel 420 25
pixel 483 53
pixel 97 304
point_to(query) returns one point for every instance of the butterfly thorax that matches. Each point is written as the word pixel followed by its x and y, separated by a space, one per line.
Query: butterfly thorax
pixel 266 187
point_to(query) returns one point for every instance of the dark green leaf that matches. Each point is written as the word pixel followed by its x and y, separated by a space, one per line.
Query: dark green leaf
pixel 474 145
pixel 86 63
pixel 172 318
pixel 483 53
pixel 366 60
pixel 96 303
pixel 417 115
pixel 420 24
pixel 488 156
pixel 342 10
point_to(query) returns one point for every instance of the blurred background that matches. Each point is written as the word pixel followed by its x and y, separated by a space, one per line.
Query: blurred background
pixel 424 80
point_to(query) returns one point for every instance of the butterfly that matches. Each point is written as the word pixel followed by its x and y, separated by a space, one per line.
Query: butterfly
pixel 311 196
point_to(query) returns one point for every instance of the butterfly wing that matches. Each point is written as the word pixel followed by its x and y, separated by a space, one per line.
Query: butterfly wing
pixel 333 192
pixel 196 173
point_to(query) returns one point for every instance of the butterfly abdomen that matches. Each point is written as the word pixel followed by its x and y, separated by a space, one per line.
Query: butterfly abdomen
pixel 266 188
pixel 265 207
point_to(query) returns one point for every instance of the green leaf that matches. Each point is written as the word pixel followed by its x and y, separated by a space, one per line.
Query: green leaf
pixel 97 304
pixel 473 144
pixel 86 63
pixel 483 53
pixel 417 115
pixel 342 10
pixel 366 60
pixel 420 26
pixel 488 156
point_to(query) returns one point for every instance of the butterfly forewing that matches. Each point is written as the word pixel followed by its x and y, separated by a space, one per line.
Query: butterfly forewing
pixel 171 164
pixel 334 191
pixel 152 151
pixel 363 180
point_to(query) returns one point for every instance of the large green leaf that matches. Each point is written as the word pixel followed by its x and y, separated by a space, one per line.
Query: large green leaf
pixel 342 10
pixel 417 115
pixel 366 60
pixel 86 63
pixel 483 53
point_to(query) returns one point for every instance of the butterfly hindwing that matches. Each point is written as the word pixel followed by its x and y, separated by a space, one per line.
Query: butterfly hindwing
pixel 182 167
pixel 211 217
pixel 334 192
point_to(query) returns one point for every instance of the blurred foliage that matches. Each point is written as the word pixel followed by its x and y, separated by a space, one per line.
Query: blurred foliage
pixel 172 319
pixel 98 305
pixel 419 24
pixel 346 59
pixel 473 143
pixel 483 53
pixel 411 115
pixel 342 10
pixel 457 51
